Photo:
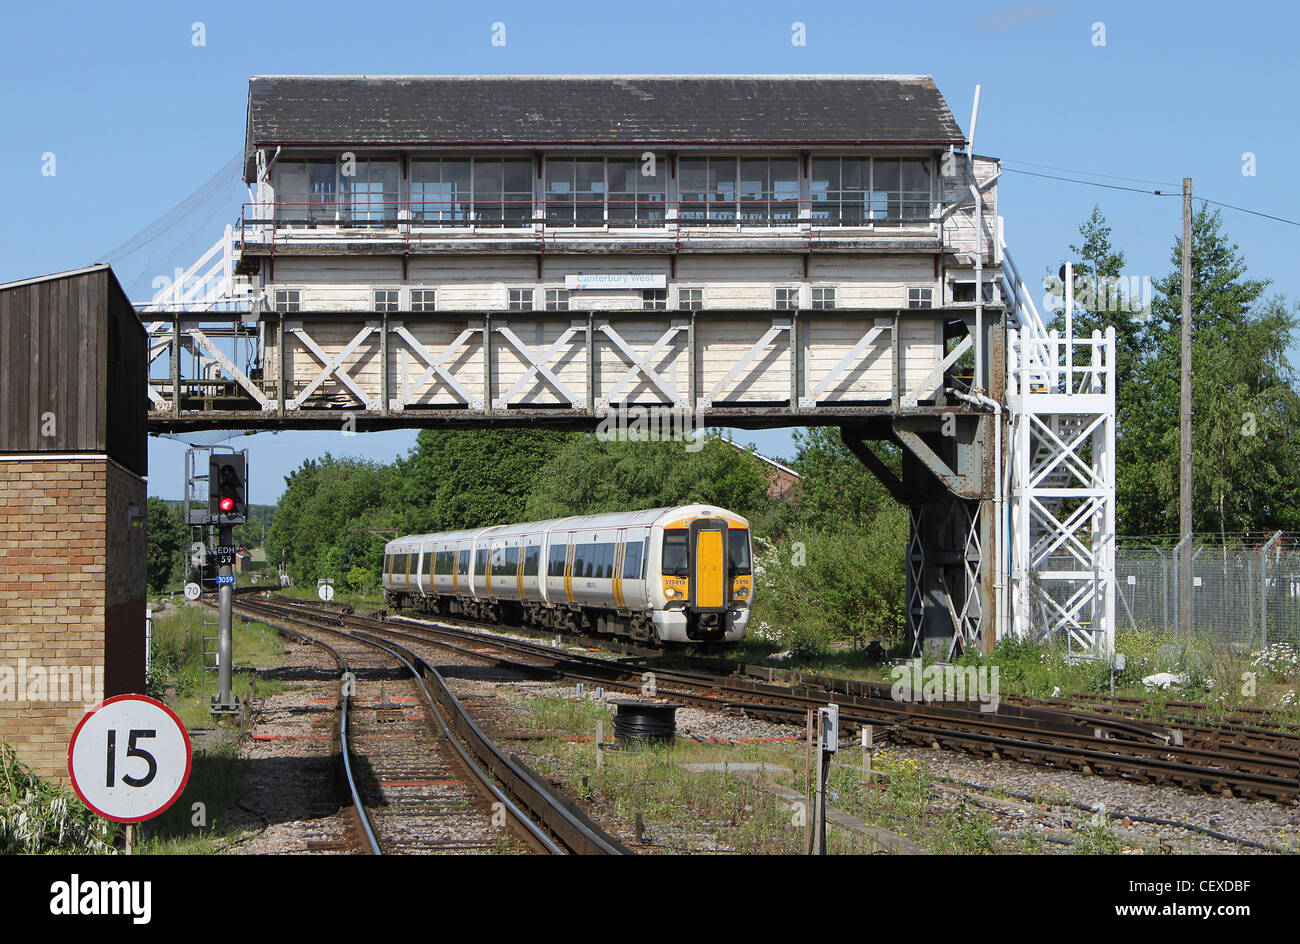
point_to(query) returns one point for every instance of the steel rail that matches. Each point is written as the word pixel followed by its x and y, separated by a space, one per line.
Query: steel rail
pixel 1039 734
pixel 528 797
pixel 345 745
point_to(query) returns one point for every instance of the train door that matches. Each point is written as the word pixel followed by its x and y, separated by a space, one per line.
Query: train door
pixel 633 568
pixel 708 565
pixel 619 550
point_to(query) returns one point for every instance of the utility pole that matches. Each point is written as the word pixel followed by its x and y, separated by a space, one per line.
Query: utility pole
pixel 1185 429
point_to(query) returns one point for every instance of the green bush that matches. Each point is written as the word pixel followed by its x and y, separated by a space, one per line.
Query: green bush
pixel 40 818
pixel 816 587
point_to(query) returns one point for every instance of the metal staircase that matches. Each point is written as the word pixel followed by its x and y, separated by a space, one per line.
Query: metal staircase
pixel 1061 466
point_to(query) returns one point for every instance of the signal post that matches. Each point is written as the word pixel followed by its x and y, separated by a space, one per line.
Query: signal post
pixel 227 506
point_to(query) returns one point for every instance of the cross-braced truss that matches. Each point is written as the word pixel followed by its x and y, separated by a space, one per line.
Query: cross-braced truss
pixel 1061 394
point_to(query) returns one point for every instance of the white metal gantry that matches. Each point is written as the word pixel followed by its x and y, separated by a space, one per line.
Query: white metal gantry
pixel 1061 466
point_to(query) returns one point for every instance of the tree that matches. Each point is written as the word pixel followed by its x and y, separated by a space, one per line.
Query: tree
pixel 167 538
pixel 324 505
pixel 1244 403
pixel 590 475
pixel 453 480
pixel 837 491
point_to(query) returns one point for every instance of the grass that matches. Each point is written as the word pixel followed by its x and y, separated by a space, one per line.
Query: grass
pixel 177 656
pixel 692 811
pixel 218 769
pixel 193 825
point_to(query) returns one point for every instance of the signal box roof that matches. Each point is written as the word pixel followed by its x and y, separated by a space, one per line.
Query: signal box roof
pixel 596 110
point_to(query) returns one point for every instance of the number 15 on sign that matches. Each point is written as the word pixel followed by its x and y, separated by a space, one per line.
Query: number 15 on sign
pixel 129 758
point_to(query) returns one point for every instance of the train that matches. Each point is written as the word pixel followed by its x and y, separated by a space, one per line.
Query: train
pixel 662 576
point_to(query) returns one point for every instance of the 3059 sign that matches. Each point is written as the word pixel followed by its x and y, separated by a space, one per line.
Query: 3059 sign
pixel 129 758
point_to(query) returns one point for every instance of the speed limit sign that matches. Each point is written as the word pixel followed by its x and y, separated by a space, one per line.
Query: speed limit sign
pixel 129 758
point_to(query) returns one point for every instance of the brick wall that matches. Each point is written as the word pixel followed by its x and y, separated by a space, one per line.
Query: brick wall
pixel 72 596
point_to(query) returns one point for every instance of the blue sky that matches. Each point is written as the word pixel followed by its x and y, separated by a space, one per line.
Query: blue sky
pixel 138 116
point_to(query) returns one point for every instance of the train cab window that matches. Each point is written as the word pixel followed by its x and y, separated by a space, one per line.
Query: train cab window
pixel 676 559
pixel 738 550
pixel 531 557
pixel 555 562
pixel 632 561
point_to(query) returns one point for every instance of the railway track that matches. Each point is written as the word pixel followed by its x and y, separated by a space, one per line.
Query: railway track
pixel 1062 736
pixel 420 775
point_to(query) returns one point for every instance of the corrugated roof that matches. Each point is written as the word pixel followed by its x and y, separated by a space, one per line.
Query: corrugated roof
pixel 606 110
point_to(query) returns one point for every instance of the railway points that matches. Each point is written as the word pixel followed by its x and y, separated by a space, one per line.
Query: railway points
pixel 1121 771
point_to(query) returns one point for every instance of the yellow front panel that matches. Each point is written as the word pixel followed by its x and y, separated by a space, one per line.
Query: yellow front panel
pixel 741 587
pixel 710 560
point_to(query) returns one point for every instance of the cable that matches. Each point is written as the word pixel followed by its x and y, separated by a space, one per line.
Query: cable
pixel 1090 183
pixel 1266 216
pixel 1089 173
pixel 1155 193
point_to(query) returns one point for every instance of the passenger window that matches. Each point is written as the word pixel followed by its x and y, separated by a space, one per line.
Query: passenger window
pixel 632 561
pixel 555 565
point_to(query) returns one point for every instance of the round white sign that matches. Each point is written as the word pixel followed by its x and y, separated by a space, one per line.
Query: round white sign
pixel 193 591
pixel 326 592
pixel 129 758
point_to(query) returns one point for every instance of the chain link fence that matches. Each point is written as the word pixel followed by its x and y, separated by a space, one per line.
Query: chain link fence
pixel 1245 588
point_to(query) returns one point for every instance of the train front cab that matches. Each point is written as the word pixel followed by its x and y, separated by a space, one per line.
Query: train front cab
pixel 707 580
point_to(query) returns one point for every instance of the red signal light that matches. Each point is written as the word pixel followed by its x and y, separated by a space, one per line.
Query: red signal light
pixel 226 504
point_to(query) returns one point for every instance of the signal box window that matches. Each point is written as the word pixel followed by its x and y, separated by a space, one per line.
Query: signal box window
pixel 919 297
pixel 557 299
pixel 690 299
pixel 386 300
pixel 422 299
pixel 288 299
pixel 787 298
pixel 654 298
pixel 823 297
pixel 519 299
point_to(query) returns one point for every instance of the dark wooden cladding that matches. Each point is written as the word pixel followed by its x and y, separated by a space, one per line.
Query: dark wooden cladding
pixel 72 346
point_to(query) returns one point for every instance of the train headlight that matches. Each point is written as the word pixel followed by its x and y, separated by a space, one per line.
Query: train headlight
pixel 672 593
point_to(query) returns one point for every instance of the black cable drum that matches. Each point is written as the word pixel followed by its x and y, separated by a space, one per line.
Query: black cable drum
pixel 644 722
